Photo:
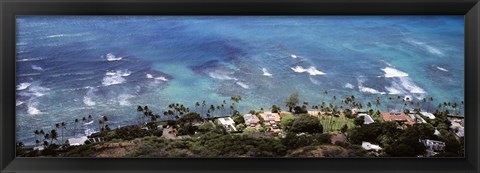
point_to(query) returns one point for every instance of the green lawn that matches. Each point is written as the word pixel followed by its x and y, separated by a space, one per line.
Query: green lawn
pixel 333 124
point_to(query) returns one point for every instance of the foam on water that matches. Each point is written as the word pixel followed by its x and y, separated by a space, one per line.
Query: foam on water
pixel 23 86
pixel 111 57
pixel 18 103
pixel 88 98
pixel 114 78
pixel 37 68
pixel 349 86
pixel 310 70
pixel 365 89
pixel 123 99
pixel 294 56
pixel 429 48
pixel 266 73
pixel 391 72
pixel 440 68
pixel 221 76
pixel 243 85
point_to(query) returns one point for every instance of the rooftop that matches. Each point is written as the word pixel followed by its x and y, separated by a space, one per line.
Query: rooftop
pixel 397 116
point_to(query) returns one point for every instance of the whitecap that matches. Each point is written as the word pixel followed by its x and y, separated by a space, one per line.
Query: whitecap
pixel 161 78
pixel 403 86
pixel 23 85
pixel 114 78
pixel 31 59
pixel 266 73
pixel 88 123
pixel 221 76
pixel 149 76
pixel 365 89
pixel 37 68
pixel 18 103
pixel 440 68
pixel 89 132
pixel 243 85
pixel 391 72
pixel 111 57
pixel 349 86
pixel 429 48
pixel 37 90
pixel 311 70
pixel 294 56
pixel 88 98
pixel 123 99
pixel 32 108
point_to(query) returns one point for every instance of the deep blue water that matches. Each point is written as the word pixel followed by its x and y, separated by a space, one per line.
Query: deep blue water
pixel 70 67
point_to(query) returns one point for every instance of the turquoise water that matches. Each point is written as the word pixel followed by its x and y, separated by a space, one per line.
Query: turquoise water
pixel 71 67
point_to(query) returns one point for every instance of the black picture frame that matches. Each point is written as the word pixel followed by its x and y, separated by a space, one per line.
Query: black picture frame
pixel 11 8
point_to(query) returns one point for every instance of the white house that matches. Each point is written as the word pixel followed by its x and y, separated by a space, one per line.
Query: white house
pixel 374 149
pixel 228 123
pixel 428 114
pixel 433 145
pixel 369 146
pixel 77 141
pixel 368 118
pixel 250 119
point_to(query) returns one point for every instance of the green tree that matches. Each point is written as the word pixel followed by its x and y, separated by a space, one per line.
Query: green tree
pixel 306 124
pixel 359 121
pixel 292 101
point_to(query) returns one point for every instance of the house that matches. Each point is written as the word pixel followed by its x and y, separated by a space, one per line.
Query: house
pixel 429 115
pixel 270 117
pixel 433 146
pixel 356 111
pixel 77 141
pixel 457 126
pixel 251 120
pixel 399 117
pixel 271 120
pixel 417 118
pixel 228 123
pixel 372 148
pixel 368 118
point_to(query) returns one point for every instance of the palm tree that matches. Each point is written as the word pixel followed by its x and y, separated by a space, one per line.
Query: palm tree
pixel 54 136
pixel 203 105
pixel 377 102
pixel 63 125
pixel 197 104
pixel 431 102
pixel 75 128
pixel 212 108
pixel 324 95
pixel 36 132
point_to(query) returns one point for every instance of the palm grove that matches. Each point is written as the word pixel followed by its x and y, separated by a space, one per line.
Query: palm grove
pixel 302 134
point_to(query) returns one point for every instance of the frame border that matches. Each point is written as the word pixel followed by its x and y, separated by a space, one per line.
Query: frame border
pixel 11 8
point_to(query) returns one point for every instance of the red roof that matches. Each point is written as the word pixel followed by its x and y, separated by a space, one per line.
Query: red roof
pixel 397 116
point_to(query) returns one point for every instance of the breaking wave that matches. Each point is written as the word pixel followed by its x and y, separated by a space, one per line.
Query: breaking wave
pixel 311 70
pixel 23 86
pixel 391 72
pixel 111 57
pixel 221 76
pixel 87 99
pixel 114 78
pixel 429 48
pixel 266 73
pixel 243 85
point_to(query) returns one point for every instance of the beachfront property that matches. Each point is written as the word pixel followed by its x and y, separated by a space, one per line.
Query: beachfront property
pixel 428 114
pixel 77 141
pixel 368 118
pixel 272 120
pixel 399 117
pixel 251 120
pixel 228 123
pixel 433 147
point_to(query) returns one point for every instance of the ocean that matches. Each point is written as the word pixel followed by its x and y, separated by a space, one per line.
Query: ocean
pixel 69 67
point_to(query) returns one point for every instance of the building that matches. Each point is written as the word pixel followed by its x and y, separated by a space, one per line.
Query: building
pixel 77 141
pixel 251 120
pixel 372 148
pixel 271 121
pixel 368 118
pixel 228 123
pixel 428 114
pixel 433 147
pixel 399 117
pixel 417 118
pixel 270 117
